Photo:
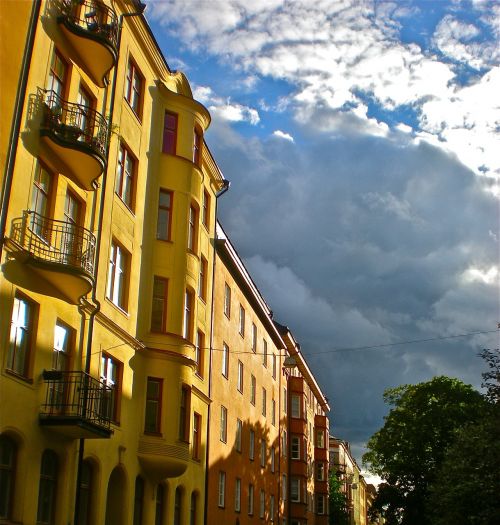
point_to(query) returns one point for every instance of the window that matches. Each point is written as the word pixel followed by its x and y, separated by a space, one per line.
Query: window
pixel 21 334
pixel 64 338
pixel 240 376
pixel 202 281
pixel 185 410
pixel 242 321
pixel 194 504
pixel 41 200
pixel 138 500
pixel 85 494
pixel 47 488
pixel 223 424
pixel 196 435
pixel 271 507
pixel 273 412
pixel 284 443
pixel 295 489
pixel 134 86
pixel 295 446
pixel 117 275
pixel 264 352
pixel 295 405
pixel 187 329
pixel 192 229
pixel 237 495
pixel 285 401
pixel 160 505
pixel 239 431
pixel 262 453
pixel 197 145
pixel 86 105
pixel 154 388
pixel 111 376
pixel 178 506
pixel 205 209
pixel 164 222
pixel 227 300
pixel 222 489
pixel 262 508
pixel 57 76
pixel 170 133
pixel 159 305
pixel 320 438
pixel 283 487
pixel 251 448
pixel 253 389
pixel 225 360
pixel 273 459
pixel 125 175
pixel 264 401
pixel 274 366
pixel 8 457
pixel 199 352
pixel 250 499
pixel 73 214
pixel 320 504
pixel 320 471
pixel 254 338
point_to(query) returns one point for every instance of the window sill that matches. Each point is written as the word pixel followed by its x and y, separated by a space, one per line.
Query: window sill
pixel 153 434
pixel 127 207
pixel 169 241
pixel 20 377
pixel 119 308
pixel 136 115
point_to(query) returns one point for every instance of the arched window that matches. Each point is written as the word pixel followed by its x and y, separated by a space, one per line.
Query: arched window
pixel 160 505
pixel 192 510
pixel 47 488
pixel 8 455
pixel 138 500
pixel 85 494
pixel 178 506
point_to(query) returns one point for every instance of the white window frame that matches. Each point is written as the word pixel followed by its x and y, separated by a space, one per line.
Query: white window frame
pixel 222 489
pixel 237 495
pixel 223 424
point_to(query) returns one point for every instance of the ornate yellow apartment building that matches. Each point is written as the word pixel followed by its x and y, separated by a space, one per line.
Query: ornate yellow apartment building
pixel 113 309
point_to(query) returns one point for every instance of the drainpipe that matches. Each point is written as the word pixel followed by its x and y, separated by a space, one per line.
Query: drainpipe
pixel 221 192
pixel 95 301
pixel 16 123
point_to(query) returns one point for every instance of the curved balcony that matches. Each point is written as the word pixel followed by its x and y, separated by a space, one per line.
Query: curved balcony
pixel 76 135
pixel 61 253
pixel 162 459
pixel 92 29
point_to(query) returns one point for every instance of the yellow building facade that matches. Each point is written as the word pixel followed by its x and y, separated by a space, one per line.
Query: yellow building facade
pixel 108 211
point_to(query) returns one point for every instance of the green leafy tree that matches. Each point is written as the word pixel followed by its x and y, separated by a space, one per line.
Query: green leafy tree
pixel 337 502
pixel 409 449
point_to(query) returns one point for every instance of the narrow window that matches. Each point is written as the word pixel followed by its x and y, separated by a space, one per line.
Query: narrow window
pixel 163 225
pixel 152 424
pixel 295 405
pixel 250 499
pixel 117 275
pixel 263 453
pixel 47 488
pixel 237 495
pixel 222 489
pixel 284 443
pixel 197 145
pixel 227 300
pixel 8 457
pixel 223 424
pixel 187 330
pixel 320 471
pixel 242 321
pixel 64 338
pixel 253 390
pixel 159 306
pixel 274 366
pixel 295 444
pixel 225 360
pixel 199 352
pixel 111 376
pixel 41 201
pixel 251 448
pixel 254 338
pixel 240 377
pixel 264 352
pixel 57 81
pixel 194 505
pixel 160 505
pixel 134 86
pixel 283 487
pixel 271 507
pixel 205 209
pixel 170 133
pixel 273 412
pixel 21 336
pixel 262 504
pixel 285 401
pixel 264 402
pixel 202 281
pixel 196 435
pixel 178 506
pixel 239 431
pixel 125 175
pixel 138 500
pixel 273 459
pixel 295 490
pixel 192 229
pixel 320 504
pixel 185 409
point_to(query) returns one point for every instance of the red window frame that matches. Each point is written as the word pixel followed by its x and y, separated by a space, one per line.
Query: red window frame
pixel 134 86
pixel 160 234
pixel 156 399
pixel 197 145
pixel 160 299
pixel 199 352
pixel 123 175
pixel 170 125
pixel 196 435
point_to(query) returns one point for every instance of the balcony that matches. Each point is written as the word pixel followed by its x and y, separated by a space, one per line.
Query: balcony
pixel 92 29
pixel 161 459
pixel 76 135
pixel 76 405
pixel 60 253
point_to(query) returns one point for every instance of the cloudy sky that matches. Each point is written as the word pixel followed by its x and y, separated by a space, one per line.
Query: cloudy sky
pixel 361 139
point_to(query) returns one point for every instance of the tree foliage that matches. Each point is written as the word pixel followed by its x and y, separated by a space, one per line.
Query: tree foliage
pixel 409 449
pixel 337 502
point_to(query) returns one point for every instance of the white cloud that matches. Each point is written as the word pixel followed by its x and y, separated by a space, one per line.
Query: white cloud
pixel 283 135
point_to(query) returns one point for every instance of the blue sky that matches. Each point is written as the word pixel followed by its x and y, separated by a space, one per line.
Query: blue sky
pixel 361 139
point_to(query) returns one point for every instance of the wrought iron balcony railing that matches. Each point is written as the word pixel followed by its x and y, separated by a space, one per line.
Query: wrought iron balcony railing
pixel 72 123
pixel 76 396
pixel 55 241
pixel 94 17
